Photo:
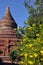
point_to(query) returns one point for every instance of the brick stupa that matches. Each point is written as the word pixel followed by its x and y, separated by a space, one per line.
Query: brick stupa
pixel 9 37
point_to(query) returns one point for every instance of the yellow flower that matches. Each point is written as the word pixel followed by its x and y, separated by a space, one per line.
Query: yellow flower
pixel 21 62
pixel 40 25
pixel 30 45
pixel 41 52
pixel 30 62
pixel 41 59
pixel 35 54
pixel 27 45
pixel 42 47
pixel 26 55
pixel 31 56
pixel 37 34
pixel 30 28
pixel 33 25
pixel 21 49
pixel 21 54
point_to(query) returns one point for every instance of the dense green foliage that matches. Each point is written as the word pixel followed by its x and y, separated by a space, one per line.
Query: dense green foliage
pixel 31 47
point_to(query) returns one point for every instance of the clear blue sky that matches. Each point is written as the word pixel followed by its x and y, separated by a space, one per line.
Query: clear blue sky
pixel 17 9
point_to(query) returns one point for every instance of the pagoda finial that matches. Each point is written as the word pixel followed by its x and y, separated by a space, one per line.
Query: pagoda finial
pixel 7 9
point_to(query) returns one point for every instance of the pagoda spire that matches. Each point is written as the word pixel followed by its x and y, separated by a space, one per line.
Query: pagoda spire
pixel 7 15
pixel 7 20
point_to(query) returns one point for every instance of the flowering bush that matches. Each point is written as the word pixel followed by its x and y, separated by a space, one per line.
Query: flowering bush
pixel 31 48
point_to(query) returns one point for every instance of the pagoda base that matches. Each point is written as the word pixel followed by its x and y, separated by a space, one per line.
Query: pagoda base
pixel 5 59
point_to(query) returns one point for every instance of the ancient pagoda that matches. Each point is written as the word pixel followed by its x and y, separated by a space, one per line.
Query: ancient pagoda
pixel 9 37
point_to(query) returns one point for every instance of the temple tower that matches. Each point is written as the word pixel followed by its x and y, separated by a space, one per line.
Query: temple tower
pixel 8 33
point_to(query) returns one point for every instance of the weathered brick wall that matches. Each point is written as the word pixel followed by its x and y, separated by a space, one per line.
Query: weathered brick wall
pixel 7 45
